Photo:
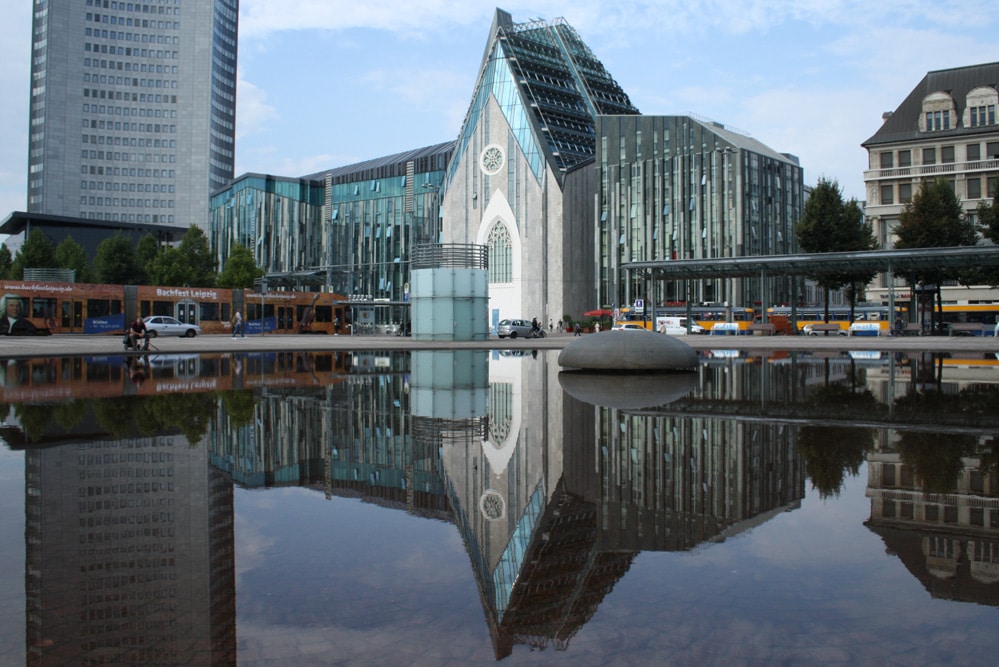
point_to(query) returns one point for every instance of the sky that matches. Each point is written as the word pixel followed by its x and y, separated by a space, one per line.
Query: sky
pixel 328 83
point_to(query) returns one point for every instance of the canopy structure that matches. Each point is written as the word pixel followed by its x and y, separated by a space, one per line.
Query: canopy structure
pixel 763 266
pixel 888 261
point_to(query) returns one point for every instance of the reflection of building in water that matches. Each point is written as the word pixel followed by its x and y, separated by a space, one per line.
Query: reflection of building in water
pixel 559 496
pixel 670 481
pixel 347 437
pixel 129 554
pixel 531 540
pixel 949 540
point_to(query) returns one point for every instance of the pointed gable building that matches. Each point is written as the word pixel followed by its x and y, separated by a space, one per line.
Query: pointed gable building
pixel 518 181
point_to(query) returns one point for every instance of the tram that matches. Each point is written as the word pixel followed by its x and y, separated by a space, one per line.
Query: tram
pixel 705 315
pixel 57 380
pixel 840 315
pixel 56 308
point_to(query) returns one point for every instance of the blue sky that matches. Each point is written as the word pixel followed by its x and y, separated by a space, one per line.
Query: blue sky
pixel 326 83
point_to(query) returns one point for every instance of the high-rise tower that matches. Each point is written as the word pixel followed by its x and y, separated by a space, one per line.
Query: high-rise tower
pixel 133 108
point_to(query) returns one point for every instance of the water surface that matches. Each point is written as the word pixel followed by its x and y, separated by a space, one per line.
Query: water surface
pixel 473 507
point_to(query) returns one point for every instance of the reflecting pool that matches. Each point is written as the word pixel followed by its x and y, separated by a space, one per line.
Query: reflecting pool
pixel 475 507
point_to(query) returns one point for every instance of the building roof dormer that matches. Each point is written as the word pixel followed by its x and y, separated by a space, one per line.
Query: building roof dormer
pixel 950 102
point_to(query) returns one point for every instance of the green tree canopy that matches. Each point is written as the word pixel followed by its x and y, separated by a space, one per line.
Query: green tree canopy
pixel 934 219
pixel 830 225
pixel 988 219
pixel 71 255
pixel 146 251
pixel 116 263
pixel 37 252
pixel 240 269
pixel 6 260
pixel 190 263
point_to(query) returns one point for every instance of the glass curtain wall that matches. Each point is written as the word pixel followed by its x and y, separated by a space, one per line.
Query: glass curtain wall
pixel 675 187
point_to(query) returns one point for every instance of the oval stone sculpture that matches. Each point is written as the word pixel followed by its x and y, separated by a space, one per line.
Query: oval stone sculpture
pixel 627 352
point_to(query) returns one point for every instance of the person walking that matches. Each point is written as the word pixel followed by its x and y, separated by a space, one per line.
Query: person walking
pixel 577 330
pixel 237 325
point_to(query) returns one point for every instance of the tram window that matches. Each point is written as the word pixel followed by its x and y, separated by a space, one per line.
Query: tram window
pixel 163 308
pixel 144 309
pixel 209 311
pixel 253 310
pixel 226 310
pixel 103 307
pixel 43 307
pixel 324 313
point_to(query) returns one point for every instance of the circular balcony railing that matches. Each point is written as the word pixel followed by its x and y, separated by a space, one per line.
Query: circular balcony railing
pixel 449 256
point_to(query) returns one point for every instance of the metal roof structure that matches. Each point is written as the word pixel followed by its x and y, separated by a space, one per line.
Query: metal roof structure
pixel 889 261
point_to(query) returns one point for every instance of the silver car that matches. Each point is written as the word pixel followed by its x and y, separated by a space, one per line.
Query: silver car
pixel 513 328
pixel 164 325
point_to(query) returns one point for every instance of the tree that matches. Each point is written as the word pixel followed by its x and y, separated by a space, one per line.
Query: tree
pixel 934 219
pixel 191 263
pixel 6 260
pixel 240 269
pixel 194 247
pixel 37 252
pixel 170 268
pixel 830 225
pixel 115 262
pixel 71 255
pixel 146 252
pixel 988 220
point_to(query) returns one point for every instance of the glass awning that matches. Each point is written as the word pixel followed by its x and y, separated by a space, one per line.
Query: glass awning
pixel 889 261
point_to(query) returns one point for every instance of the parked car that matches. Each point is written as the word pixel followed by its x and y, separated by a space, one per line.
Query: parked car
pixel 677 326
pixel 163 325
pixel 810 330
pixel 513 328
pixel 628 327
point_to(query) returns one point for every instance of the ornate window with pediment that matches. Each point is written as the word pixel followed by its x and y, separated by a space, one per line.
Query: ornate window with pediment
pixel 938 113
pixel 980 107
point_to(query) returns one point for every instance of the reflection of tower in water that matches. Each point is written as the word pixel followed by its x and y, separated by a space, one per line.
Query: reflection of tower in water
pixel 130 555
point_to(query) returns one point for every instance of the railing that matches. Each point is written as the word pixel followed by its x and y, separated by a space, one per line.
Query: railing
pixel 932 170
pixel 51 275
pixel 450 256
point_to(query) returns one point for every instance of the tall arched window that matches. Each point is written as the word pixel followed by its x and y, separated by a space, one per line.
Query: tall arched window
pixel 500 255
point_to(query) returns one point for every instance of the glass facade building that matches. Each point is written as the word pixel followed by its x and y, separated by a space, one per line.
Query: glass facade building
pixel 678 187
pixel 277 218
pixel 132 113
pixel 555 172
pixel 349 229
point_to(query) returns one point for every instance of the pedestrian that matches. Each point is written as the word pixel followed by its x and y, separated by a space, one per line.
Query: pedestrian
pixel 237 325
pixel 561 327
pixel 577 329
pixel 551 327
pixel 596 327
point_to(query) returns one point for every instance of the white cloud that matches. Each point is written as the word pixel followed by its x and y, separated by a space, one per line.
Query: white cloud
pixel 253 110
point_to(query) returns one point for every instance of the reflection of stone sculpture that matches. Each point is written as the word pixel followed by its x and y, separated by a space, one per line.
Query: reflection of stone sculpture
pixel 627 392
